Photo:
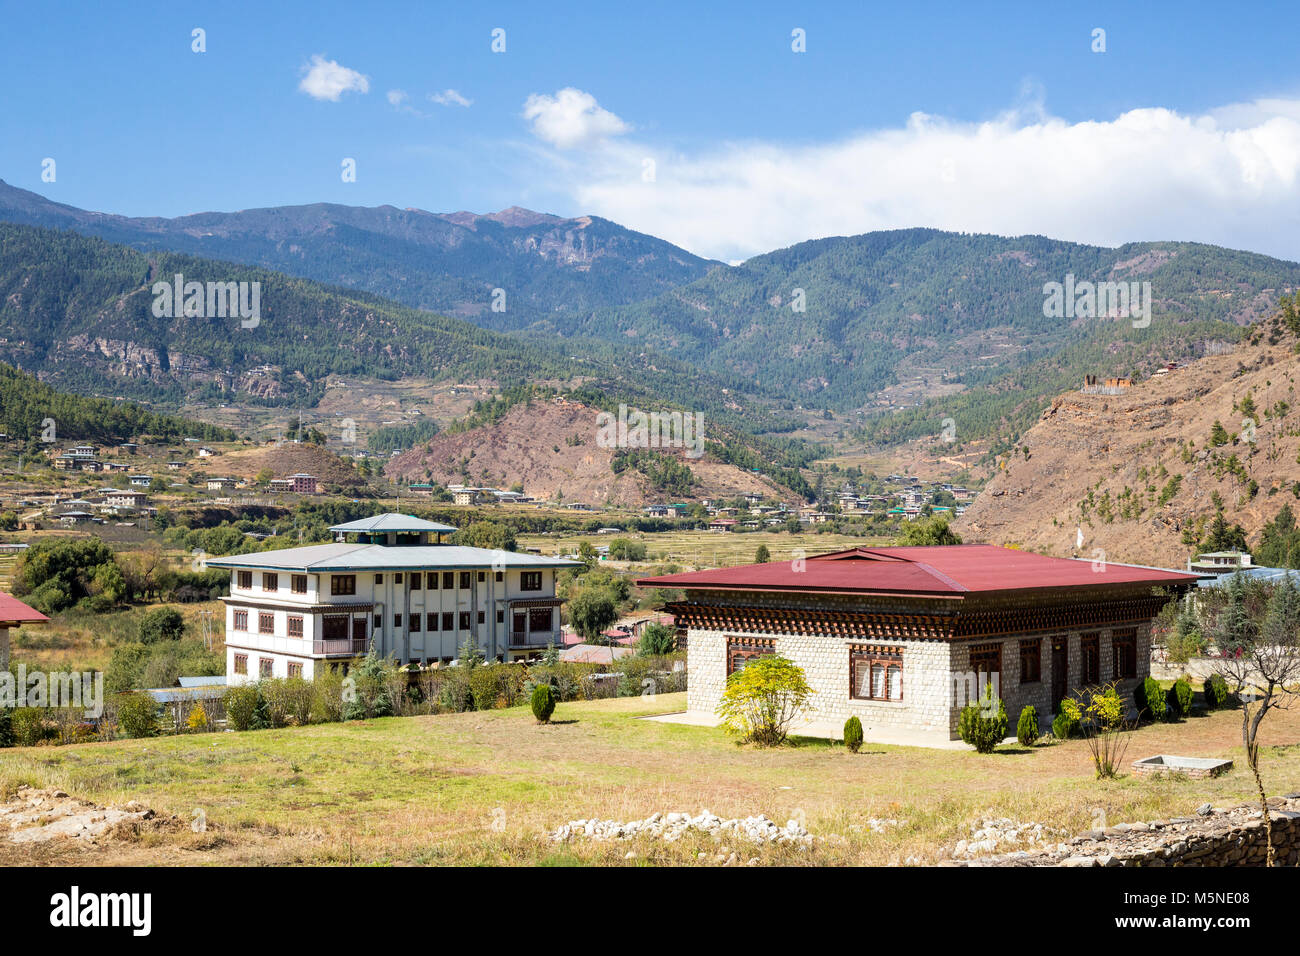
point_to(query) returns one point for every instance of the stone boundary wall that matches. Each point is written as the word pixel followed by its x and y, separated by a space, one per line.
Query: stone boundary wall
pixel 1216 836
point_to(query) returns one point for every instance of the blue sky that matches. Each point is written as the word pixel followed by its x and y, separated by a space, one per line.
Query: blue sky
pixel 960 115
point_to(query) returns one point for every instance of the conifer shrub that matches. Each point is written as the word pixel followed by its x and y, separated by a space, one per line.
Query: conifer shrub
pixel 1027 726
pixel 1178 702
pixel 6 728
pixel 983 725
pixel 543 703
pixel 1064 726
pixel 853 734
pixel 245 708
pixel 1216 692
pixel 1150 700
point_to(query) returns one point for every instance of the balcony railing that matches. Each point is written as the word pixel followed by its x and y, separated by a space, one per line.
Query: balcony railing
pixel 532 638
pixel 340 647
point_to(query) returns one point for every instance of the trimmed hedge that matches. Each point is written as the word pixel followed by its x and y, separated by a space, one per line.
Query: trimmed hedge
pixel 1027 726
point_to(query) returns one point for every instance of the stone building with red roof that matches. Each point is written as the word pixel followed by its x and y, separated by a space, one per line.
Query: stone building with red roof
pixel 904 637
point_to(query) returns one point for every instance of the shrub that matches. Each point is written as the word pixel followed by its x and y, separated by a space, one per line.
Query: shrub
pixel 197 721
pixel 1100 713
pixel 326 696
pixel 1178 702
pixel 137 715
pixel 245 708
pixel 1216 692
pixel 853 734
pixel 1149 699
pixel 161 624
pixel 288 701
pixel 1027 726
pixel 29 726
pixel 543 702
pixel 1064 725
pixel 495 685
pixel 6 728
pixel 656 640
pixel 983 725
pixel 761 700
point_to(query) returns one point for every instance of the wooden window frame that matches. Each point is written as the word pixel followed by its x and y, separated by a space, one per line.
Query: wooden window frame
pixel 262 626
pixel 417 581
pixel 530 580
pixel 295 669
pixel 464 621
pixel 241 664
pixel 1090 643
pixel 241 621
pixel 431 622
pixel 295 625
pixel 244 580
pixel 1031 650
pixel 298 584
pixel 464 583
pixel 265 667
pixel 379 578
pixel 1123 650
pixel 448 580
pixel 747 648
pixel 270 581
pixel 343 585
pixel 871 656
pixel 413 624
pixel 448 621
pixel 431 581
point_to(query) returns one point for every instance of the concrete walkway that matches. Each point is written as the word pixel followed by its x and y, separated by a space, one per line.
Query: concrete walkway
pixel 830 730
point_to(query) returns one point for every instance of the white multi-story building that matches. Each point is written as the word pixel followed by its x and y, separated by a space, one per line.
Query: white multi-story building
pixel 389 580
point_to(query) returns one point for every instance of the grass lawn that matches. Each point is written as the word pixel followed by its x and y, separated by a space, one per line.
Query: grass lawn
pixel 484 787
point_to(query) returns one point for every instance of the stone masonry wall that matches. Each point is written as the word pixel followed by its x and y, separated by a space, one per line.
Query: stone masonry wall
pixel 1232 836
pixel 932 689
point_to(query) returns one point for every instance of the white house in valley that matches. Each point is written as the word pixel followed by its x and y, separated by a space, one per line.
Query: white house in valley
pixel 389 580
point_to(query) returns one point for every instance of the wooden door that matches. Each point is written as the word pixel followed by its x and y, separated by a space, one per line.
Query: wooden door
pixel 1060 670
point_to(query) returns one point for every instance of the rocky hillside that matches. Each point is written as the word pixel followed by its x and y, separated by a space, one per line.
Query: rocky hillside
pixel 1140 473
pixel 550 448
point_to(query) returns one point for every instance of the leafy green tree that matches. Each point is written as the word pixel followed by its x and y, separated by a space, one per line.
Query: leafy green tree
pixel 762 699
pixel 591 611
pixel 656 640
pixel 930 531
pixel 486 534
pixel 762 555
pixel 161 624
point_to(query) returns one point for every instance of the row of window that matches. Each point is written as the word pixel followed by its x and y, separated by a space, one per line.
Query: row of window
pixel 264 666
pixel 876 673
pixel 432 621
pixel 343 585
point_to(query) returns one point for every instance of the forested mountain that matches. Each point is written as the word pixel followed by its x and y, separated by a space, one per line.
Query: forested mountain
pixel 834 321
pixel 29 406
pixel 909 326
pixel 79 312
pixel 448 263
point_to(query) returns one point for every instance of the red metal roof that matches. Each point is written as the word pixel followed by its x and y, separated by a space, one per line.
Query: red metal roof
pixel 938 570
pixel 14 611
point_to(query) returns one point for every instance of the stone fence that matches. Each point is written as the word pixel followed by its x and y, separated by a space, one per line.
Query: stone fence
pixel 1216 836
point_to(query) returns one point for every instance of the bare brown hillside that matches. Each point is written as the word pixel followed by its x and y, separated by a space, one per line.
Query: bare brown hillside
pixel 287 459
pixel 551 449
pixel 1134 471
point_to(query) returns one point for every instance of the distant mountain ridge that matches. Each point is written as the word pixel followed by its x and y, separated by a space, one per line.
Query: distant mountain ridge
pixel 449 263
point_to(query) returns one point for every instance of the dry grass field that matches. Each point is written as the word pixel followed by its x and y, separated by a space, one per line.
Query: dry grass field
pixel 485 787
pixel 706 549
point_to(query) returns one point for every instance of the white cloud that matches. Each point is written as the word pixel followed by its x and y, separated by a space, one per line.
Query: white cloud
pixel 396 97
pixel 1230 176
pixel 328 80
pixel 449 98
pixel 571 119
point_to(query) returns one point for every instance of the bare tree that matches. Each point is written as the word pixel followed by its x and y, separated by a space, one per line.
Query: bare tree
pixel 1260 661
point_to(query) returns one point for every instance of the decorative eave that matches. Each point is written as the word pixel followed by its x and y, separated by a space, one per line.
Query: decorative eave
pixel 239 602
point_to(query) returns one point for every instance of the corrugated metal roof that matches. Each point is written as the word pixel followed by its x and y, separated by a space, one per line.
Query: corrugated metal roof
pixel 378 557
pixel 938 570
pixel 393 522
pixel 14 611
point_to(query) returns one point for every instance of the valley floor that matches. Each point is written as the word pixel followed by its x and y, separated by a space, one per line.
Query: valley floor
pixel 486 787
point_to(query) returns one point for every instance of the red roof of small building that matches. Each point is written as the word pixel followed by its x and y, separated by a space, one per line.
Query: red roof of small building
pixel 14 611
pixel 934 570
